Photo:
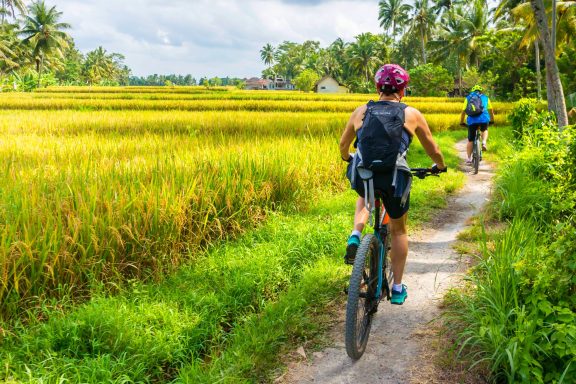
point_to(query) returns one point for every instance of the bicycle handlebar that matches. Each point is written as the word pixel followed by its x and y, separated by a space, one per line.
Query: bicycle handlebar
pixel 422 173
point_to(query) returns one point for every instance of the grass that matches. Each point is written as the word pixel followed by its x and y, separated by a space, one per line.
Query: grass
pixel 514 316
pixel 225 317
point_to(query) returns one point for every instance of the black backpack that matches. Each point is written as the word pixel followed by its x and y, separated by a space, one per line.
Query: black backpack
pixel 380 136
pixel 474 107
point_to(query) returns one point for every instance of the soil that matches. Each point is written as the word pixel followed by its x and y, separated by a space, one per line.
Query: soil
pixel 399 350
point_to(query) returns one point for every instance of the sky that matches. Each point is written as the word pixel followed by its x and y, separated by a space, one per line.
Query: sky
pixel 209 37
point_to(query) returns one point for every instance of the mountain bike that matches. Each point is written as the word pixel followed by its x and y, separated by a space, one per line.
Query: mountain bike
pixel 371 279
pixel 476 150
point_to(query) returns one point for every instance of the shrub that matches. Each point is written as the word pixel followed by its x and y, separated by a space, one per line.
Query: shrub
pixel 522 115
pixel 430 80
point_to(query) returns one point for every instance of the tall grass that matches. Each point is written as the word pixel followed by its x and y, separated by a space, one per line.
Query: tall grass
pixel 516 316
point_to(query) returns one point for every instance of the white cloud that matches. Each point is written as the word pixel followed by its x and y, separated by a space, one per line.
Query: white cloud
pixel 210 37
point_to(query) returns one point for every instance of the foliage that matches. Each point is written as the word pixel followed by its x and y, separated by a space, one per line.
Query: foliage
pixel 517 316
pixel 306 80
pixel 522 116
pixel 38 45
pixel 430 80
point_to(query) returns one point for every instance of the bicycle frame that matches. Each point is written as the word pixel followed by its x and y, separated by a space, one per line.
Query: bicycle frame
pixel 380 218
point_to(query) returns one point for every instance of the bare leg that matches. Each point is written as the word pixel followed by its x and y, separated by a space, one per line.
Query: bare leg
pixel 484 136
pixel 469 149
pixel 361 215
pixel 399 251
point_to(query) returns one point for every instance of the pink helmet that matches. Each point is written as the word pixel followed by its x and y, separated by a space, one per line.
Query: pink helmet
pixel 391 76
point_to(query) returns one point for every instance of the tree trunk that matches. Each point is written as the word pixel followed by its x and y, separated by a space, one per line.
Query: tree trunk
pixel 40 65
pixel 554 24
pixel 423 45
pixel 459 79
pixel 538 72
pixel 555 92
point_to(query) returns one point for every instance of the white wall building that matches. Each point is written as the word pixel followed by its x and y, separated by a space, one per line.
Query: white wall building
pixel 328 84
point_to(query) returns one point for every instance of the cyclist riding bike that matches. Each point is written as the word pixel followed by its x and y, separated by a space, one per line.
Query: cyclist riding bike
pixel 392 124
pixel 478 108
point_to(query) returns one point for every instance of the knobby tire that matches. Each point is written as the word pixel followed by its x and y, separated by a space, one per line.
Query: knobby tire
pixel 476 156
pixel 361 300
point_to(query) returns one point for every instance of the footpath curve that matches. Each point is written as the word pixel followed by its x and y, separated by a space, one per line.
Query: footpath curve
pixel 395 349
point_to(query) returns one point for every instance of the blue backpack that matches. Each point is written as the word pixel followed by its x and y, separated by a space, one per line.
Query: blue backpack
pixel 474 107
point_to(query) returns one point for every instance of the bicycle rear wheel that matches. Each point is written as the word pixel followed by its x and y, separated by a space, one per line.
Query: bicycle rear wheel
pixel 362 301
pixel 476 156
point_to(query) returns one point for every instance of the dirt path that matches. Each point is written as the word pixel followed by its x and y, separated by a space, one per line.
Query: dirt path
pixel 395 345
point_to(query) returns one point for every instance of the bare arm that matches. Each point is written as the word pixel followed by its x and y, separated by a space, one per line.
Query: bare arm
pixel 425 136
pixel 462 117
pixel 491 116
pixel 349 134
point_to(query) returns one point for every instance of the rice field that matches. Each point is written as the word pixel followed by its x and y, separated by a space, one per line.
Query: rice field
pixel 104 185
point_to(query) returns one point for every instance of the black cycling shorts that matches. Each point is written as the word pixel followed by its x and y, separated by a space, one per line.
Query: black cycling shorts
pixel 472 130
pixel 392 204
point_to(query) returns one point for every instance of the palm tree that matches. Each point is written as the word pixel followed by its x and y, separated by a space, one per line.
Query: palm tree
pixel 100 65
pixel 392 12
pixel 566 23
pixel 363 55
pixel 555 92
pixel 7 55
pixel 43 31
pixel 443 6
pixel 267 55
pixel 8 7
pixel 463 33
pixel 531 35
pixel 423 19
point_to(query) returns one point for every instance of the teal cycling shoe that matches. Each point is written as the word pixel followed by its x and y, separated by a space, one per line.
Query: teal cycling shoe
pixel 351 248
pixel 399 298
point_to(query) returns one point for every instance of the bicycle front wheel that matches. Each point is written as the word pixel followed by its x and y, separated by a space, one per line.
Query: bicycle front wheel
pixel 362 300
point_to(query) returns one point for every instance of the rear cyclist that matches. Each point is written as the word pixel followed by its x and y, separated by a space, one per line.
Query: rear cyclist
pixel 478 117
pixel 391 124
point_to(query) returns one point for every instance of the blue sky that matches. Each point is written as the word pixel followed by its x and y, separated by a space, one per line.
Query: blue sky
pixel 210 37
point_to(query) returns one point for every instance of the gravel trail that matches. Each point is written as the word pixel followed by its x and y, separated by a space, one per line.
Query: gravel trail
pixel 396 341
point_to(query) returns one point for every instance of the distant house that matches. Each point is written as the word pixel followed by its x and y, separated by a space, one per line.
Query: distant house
pixel 256 83
pixel 282 84
pixel 279 84
pixel 328 84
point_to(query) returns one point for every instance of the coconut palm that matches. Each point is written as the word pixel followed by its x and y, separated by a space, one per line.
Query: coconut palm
pixel 524 16
pixel 363 55
pixel 100 65
pixel 9 7
pixel 423 18
pixel 555 92
pixel 7 55
pixel 462 35
pixel 566 22
pixel 391 13
pixel 267 54
pixel 43 32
